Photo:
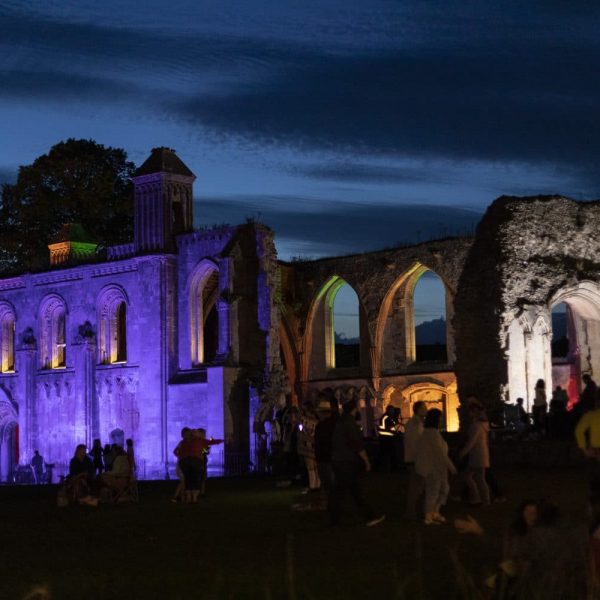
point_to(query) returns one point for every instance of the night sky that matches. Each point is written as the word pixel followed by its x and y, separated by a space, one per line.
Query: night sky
pixel 346 126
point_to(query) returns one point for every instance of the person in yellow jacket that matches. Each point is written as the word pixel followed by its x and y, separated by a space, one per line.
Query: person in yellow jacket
pixel 587 433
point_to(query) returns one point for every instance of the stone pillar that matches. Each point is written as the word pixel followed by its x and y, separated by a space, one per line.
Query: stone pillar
pixel 28 424
pixel 223 312
pixel 85 386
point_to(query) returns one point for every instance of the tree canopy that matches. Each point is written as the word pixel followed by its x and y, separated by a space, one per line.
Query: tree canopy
pixel 78 181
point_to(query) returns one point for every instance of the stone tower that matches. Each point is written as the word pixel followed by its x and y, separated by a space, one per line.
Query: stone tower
pixel 163 201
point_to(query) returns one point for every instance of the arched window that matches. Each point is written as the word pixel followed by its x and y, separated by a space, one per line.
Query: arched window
pixel 346 327
pixel 112 326
pixel 53 338
pixel 336 334
pixel 7 338
pixel 560 332
pixel 204 290
pixel 429 305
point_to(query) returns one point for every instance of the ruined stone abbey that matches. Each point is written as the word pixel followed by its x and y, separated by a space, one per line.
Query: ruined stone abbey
pixel 185 327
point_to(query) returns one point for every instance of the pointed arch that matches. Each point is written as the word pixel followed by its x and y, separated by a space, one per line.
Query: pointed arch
pixel 203 290
pixel 9 435
pixel 7 337
pixel 395 344
pixel 319 336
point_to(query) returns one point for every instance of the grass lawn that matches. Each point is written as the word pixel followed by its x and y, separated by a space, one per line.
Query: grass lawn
pixel 243 541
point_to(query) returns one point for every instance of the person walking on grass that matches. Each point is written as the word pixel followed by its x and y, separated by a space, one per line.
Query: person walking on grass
pixel 478 455
pixel 349 461
pixel 416 484
pixel 432 463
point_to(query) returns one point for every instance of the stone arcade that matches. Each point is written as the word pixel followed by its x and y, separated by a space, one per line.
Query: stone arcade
pixel 180 326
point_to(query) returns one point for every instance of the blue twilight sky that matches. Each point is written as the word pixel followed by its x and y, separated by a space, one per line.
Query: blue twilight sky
pixel 346 125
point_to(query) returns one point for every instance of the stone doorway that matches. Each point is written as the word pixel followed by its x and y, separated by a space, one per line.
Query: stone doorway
pixel 433 395
pixel 580 306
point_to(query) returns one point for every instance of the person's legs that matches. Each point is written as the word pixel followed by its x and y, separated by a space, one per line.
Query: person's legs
pixel 482 487
pixel 474 497
pixel 495 489
pixel 443 489
pixel 326 479
pixel 341 480
pixel 180 489
pixel 432 491
pixel 364 509
pixel 313 475
pixel 416 487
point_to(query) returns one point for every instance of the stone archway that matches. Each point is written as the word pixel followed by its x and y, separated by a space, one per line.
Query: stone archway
pixel 583 302
pixel 9 437
pixel 433 394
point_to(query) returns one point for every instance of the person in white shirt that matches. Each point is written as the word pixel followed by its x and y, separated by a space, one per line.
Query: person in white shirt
pixel 433 464
pixel 416 484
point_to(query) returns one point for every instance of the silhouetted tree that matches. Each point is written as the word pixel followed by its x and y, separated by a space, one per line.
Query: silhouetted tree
pixel 78 181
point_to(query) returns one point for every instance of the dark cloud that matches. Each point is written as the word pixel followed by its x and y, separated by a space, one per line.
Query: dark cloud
pixel 483 82
pixel 541 107
pixel 338 227
pixel 363 173
pixel 70 87
pixel 129 52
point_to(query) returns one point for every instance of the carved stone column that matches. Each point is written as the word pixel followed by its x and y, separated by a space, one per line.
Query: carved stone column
pixel 26 368
pixel 223 311
pixel 85 381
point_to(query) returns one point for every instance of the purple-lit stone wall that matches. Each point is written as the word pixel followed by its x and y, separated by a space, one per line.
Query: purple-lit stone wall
pixel 156 392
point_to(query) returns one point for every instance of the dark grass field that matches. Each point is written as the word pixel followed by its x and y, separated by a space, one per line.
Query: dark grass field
pixel 244 541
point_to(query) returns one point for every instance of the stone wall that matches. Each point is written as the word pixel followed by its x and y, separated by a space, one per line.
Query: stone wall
pixel 528 254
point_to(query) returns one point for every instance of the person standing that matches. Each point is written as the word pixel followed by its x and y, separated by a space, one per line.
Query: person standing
pixel 386 433
pixel 557 415
pixel 587 434
pixel 349 461
pixel 540 407
pixel 306 445
pixel 587 399
pixel 478 453
pixel 432 463
pixel 522 424
pixel 178 496
pixel 323 445
pixel 96 454
pixel 206 445
pixel 130 456
pixel 37 462
pixel 416 484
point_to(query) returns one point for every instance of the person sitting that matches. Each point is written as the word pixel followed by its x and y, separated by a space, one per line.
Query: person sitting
pixel 119 477
pixel 79 480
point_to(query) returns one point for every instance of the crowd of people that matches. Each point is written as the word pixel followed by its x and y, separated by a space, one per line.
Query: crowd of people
pixel 552 418
pixel 98 474
pixel 328 440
